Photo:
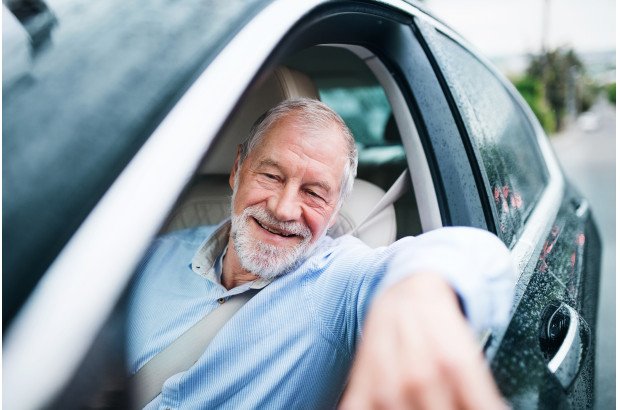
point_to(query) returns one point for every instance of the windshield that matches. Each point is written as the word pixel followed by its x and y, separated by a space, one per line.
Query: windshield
pixel 84 85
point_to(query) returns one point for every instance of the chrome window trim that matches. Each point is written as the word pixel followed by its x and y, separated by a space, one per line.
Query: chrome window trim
pixel 543 215
pixel 83 284
pixel 423 187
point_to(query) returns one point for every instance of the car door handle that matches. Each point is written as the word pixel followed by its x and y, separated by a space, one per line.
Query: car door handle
pixel 564 340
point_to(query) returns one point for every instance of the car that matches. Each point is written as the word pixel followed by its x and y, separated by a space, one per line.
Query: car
pixel 121 121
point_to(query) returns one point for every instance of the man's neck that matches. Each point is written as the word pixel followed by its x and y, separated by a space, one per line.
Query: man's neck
pixel 233 273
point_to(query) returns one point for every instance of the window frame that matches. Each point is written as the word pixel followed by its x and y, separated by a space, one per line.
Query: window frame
pixel 418 166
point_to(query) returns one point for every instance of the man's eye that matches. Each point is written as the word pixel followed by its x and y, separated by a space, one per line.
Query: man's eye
pixel 314 194
pixel 270 176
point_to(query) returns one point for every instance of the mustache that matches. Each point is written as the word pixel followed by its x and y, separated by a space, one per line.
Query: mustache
pixel 267 218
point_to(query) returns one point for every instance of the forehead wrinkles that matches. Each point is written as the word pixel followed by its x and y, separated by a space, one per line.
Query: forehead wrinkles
pixel 316 160
pixel 310 126
pixel 308 143
pixel 319 143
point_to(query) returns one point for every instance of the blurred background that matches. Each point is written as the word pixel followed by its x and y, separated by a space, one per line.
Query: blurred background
pixel 561 56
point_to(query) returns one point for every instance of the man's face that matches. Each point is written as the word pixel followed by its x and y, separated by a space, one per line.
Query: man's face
pixel 285 195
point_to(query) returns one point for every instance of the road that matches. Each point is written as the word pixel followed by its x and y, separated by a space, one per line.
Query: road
pixel 587 152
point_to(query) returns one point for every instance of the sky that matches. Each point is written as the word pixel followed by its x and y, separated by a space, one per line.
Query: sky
pixel 515 27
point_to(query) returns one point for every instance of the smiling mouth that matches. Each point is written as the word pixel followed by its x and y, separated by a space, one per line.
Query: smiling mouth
pixel 273 231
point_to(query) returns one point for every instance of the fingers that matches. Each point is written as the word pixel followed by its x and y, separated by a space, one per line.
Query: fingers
pixel 457 354
pixel 418 352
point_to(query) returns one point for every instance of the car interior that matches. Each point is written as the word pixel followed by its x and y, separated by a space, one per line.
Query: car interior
pixel 349 86
pixel 357 84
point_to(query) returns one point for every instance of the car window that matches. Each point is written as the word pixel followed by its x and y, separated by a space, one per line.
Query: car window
pixel 503 138
pixel 365 110
pixel 80 103
pixel 367 113
pixel 381 154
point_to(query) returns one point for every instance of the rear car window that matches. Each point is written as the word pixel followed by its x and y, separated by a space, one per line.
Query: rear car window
pixel 502 136
pixel 367 113
pixel 365 109
pixel 382 157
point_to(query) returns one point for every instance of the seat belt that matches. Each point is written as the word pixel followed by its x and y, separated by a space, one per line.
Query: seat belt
pixel 183 352
pixel 396 191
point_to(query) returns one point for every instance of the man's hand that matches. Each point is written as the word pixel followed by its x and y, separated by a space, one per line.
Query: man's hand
pixel 417 352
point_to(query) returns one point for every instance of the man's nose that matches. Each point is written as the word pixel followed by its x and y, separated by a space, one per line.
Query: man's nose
pixel 285 204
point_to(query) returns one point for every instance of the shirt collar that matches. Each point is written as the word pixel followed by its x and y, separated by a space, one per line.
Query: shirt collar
pixel 208 260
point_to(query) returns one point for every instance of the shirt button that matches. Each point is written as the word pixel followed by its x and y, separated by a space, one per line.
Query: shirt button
pixel 221 301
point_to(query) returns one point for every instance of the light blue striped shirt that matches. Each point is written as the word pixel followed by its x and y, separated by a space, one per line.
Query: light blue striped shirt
pixel 291 346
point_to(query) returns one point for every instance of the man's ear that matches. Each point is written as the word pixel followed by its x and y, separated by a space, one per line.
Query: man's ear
pixel 231 179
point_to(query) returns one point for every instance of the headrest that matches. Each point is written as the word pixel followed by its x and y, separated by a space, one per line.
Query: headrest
pixel 283 83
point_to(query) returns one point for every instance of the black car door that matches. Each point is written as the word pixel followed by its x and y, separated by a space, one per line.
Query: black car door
pixel 544 359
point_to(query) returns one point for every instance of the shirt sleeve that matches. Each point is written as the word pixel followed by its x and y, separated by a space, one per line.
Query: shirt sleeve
pixel 475 262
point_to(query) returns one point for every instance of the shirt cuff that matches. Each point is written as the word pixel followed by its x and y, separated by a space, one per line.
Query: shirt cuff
pixel 475 262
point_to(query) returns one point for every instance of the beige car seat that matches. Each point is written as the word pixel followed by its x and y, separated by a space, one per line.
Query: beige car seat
pixel 208 200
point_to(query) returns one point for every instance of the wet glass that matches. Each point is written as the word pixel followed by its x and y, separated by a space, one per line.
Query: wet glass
pixel 502 136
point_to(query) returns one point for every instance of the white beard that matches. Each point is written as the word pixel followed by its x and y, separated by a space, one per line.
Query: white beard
pixel 266 260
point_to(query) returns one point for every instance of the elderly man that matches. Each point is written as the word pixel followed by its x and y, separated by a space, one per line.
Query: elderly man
pixel 321 301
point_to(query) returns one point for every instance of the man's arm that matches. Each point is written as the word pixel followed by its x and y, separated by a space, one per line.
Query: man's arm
pixel 417 351
pixel 418 348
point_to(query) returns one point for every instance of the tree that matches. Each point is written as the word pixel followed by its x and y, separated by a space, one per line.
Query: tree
pixel 557 70
pixel 532 91
pixel 611 93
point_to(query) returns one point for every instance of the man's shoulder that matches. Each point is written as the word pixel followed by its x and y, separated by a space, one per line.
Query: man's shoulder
pixel 352 244
pixel 348 250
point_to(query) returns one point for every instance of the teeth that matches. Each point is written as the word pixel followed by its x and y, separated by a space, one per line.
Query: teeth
pixel 274 231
